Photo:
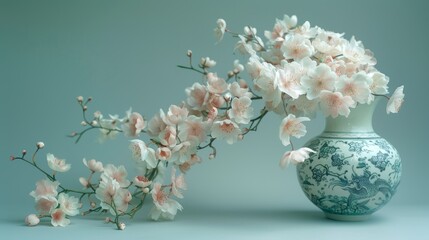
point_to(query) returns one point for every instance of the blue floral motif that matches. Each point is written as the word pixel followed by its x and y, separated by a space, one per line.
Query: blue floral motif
pixel 355 146
pixel 380 160
pixel 326 150
pixel 318 173
pixel 346 176
pixel 362 163
pixel 338 161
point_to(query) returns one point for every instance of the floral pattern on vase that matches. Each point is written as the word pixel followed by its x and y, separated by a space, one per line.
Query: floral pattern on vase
pixel 353 173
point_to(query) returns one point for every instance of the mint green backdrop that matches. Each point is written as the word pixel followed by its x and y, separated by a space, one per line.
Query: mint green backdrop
pixel 124 54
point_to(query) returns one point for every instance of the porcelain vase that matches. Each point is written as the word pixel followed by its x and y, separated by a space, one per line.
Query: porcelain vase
pixel 354 171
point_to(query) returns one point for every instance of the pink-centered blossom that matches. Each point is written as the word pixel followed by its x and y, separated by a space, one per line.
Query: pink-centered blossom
pixel 121 199
pixel 356 87
pixel 226 129
pixel 134 124
pixel 163 153
pixel 265 84
pixel 56 164
pixel 106 191
pixel 164 206
pixel 239 90
pixel 254 66
pixel 306 30
pixel 319 79
pixel 216 84
pixel 93 165
pixel 292 126
pixel 182 152
pixel 295 156
pixel 241 110
pixel 379 83
pixel 215 101
pixel 193 129
pixel 69 204
pixel 288 81
pixel 142 181
pixel 197 96
pixel 177 183
pixel 329 43
pixel 335 103
pixel 45 188
pixel 155 125
pixel 356 52
pixel 117 173
pixel 168 136
pixel 58 218
pixel 296 47
pixel 46 204
pixel 281 27
pixel 395 101
pixel 143 154
pixel 175 115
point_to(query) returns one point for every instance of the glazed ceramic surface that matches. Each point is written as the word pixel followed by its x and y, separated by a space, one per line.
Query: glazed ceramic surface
pixel 355 172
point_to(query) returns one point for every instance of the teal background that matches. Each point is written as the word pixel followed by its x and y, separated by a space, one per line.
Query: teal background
pixel 124 54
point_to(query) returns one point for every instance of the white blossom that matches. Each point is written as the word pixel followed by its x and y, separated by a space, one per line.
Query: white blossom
pixel 241 110
pixel 292 126
pixel 56 164
pixel 295 156
pixel 319 79
pixel 395 101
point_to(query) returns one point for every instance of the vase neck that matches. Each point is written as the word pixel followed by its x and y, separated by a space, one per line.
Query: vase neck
pixel 358 121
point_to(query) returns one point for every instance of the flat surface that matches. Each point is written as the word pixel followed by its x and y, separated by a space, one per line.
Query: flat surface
pixel 392 222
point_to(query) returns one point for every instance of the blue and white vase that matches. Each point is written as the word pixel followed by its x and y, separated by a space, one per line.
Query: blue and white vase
pixel 354 171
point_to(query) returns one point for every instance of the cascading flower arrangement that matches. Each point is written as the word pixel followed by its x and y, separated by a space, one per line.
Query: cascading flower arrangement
pixel 299 70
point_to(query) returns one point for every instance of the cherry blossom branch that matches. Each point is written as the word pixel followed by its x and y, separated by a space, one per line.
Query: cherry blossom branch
pixel 192 68
pixel 254 123
pixel 51 177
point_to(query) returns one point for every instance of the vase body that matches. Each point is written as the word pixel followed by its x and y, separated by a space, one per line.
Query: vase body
pixel 354 171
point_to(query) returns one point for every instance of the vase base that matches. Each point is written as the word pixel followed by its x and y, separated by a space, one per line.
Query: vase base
pixel 347 218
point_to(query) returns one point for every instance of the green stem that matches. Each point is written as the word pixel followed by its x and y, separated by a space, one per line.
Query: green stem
pixel 192 68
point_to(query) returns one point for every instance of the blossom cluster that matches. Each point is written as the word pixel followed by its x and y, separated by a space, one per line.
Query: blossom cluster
pixel 302 69
pixel 298 71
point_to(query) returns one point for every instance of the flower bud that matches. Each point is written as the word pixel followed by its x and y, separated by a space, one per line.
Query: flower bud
pixel 240 137
pixel 93 204
pixel 94 123
pixel 243 83
pixel 12 157
pixel 189 53
pixel 24 152
pixel 32 220
pixel 40 145
pixel 146 190
pixel 85 108
pixel 83 123
pixel 230 74
pixel 121 226
pixel 80 99
pixel 89 99
pixel 84 182
pixel 207 62
pixel 211 156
